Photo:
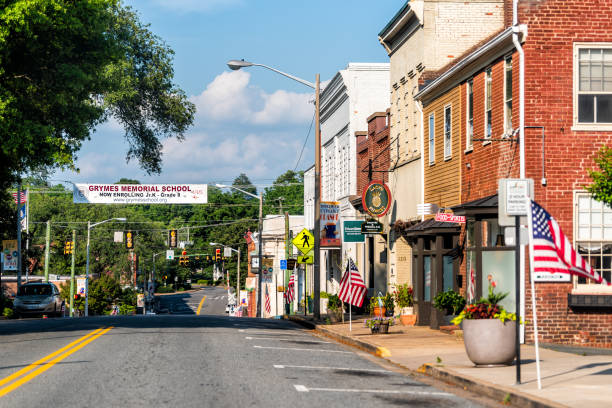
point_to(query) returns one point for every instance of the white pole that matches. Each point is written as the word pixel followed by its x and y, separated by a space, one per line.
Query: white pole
pixel 533 301
pixel 350 297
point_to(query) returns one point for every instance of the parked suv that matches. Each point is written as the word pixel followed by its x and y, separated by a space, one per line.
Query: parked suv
pixel 38 298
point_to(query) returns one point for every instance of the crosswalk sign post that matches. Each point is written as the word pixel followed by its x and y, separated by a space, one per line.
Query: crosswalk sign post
pixel 304 241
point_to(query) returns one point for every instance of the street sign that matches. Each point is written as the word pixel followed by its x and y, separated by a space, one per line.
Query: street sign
pixel 371 227
pixel 283 264
pixel 306 259
pixel 267 262
pixel 170 254
pixel 513 200
pixel 227 252
pixel 255 262
pixel 352 231
pixel 118 237
pixel 304 241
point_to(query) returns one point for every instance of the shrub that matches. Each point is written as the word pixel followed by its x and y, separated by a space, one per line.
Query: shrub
pixel 334 302
pixel 324 295
pixel 8 313
pixel 449 302
pixel 202 282
pixel 126 309
pixel 165 289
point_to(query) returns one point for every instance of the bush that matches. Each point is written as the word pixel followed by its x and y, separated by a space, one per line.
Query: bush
pixel 449 302
pixel 324 295
pixel 202 282
pixel 404 296
pixel 165 289
pixel 128 297
pixel 181 289
pixel 127 309
pixel 334 302
pixel 8 313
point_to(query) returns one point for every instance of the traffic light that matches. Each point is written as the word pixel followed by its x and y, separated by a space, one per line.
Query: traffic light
pixel 184 259
pixel 68 247
pixel 129 240
pixel 218 254
pixel 173 239
pixel 76 296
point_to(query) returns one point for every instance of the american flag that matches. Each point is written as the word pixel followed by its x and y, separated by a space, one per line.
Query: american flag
pixel 552 250
pixel 290 287
pixel 24 197
pixel 352 287
pixel 268 307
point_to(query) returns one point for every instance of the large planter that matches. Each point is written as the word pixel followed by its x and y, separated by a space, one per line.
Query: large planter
pixel 447 320
pixel 381 328
pixel 407 316
pixel 379 311
pixel 335 316
pixel 489 341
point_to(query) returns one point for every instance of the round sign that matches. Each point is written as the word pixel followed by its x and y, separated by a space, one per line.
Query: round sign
pixel 15 253
pixel 376 198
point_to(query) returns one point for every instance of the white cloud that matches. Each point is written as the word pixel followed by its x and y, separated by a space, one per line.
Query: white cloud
pixel 201 6
pixel 230 98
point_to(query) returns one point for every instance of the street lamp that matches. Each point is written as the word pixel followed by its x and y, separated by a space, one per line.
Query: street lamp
pixel 89 227
pixel 260 198
pixel 237 64
pixel 237 268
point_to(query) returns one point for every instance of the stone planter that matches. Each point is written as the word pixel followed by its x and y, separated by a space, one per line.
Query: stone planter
pixel 489 341
pixel 382 328
pixel 407 316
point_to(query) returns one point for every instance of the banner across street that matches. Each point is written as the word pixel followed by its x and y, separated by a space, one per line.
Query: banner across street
pixel 140 193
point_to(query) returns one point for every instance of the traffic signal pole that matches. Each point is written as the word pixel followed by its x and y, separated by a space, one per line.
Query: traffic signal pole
pixel 72 275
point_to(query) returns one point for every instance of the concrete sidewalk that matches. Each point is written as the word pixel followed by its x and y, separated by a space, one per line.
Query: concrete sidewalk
pixel 568 379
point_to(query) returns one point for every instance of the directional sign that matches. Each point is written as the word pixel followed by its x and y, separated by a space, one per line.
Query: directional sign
pixel 304 241
pixel 306 259
pixel 170 254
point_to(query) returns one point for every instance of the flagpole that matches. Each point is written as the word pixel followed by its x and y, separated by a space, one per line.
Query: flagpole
pixel 348 268
pixel 533 301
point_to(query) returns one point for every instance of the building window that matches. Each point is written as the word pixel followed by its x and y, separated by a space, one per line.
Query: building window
pixel 447 133
pixel 593 99
pixel 488 103
pixel 431 139
pixel 470 115
pixel 593 236
pixel 508 95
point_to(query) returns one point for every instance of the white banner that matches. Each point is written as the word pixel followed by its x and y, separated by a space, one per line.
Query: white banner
pixel 140 194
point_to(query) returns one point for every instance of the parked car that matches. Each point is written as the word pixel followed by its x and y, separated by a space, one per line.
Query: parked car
pixel 37 298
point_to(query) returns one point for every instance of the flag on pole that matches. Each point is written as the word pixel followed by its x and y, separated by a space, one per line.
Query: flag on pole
pixel 552 250
pixel 290 287
pixel 23 196
pixel 268 307
pixel 352 287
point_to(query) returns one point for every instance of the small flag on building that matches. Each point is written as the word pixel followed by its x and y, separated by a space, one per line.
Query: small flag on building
pixel 552 250
pixel 268 307
pixel 290 289
pixel 352 287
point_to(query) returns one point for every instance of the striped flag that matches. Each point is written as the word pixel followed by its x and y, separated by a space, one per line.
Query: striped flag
pixel 552 250
pixel 268 307
pixel 352 287
pixel 290 288
pixel 24 196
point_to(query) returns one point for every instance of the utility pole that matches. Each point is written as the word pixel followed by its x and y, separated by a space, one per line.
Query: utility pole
pixel 18 238
pixel 287 243
pixel 317 202
pixel 72 274
pixel 238 281
pixel 47 243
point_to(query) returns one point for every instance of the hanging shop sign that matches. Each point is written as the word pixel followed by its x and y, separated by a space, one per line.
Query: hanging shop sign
pixel 443 217
pixel 371 227
pixel 140 193
pixel 376 198
pixel 330 224
pixel 352 231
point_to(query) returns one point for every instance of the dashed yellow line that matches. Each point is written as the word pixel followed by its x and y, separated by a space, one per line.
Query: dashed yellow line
pixel 54 358
pixel 200 305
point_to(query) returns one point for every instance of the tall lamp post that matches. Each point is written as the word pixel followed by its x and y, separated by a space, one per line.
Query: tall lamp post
pixel 237 270
pixel 89 227
pixel 237 64
pixel 260 198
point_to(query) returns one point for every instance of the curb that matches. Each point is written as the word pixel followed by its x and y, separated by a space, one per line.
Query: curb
pixel 476 386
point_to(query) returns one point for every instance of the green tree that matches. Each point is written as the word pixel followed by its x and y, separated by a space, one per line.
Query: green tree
pixel 286 192
pixel 602 179
pixel 65 67
pixel 102 293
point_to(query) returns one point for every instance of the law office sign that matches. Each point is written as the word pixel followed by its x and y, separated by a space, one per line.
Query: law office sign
pixel 376 198
pixel 352 231
pixel 140 193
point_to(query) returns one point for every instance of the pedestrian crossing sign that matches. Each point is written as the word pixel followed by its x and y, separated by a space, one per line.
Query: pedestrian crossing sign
pixel 304 241
pixel 306 259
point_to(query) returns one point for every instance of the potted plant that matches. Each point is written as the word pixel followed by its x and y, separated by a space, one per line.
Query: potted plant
pixel 379 325
pixel 405 301
pixel 388 304
pixel 377 306
pixel 450 303
pixel 489 332
pixel 334 308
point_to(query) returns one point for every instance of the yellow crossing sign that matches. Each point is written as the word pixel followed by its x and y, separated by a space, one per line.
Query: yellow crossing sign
pixel 306 259
pixel 304 241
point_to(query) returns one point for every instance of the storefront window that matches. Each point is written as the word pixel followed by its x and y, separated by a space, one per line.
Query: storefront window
pixel 499 265
pixel 447 276
pixel 427 281
pixel 492 234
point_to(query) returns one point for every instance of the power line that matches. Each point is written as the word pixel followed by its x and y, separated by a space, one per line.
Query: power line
pixel 305 141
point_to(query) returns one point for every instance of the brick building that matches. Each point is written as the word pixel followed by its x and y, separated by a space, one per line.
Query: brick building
pixel 568 117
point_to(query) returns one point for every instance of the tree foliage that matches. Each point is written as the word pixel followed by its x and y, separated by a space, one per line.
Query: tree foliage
pixel 65 67
pixel 602 179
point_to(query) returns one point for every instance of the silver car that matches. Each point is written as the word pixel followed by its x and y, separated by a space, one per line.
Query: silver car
pixel 38 298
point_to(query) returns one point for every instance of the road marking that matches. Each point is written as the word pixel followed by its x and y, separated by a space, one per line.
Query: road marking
pixel 264 332
pixel 276 338
pixel 303 349
pixel 83 342
pixel 365 370
pixel 302 388
pixel 200 305
pixel 42 360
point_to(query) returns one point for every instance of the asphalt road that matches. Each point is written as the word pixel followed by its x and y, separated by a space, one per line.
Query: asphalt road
pixel 196 361
pixel 215 300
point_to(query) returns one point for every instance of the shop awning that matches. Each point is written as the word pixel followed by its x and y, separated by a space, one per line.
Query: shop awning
pixel 432 227
pixel 486 205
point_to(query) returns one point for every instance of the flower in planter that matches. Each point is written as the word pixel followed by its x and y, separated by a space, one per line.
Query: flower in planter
pixel 486 308
pixel 377 321
pixel 403 296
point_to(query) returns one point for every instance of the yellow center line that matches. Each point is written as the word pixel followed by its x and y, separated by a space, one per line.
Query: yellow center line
pixel 42 360
pixel 87 339
pixel 200 305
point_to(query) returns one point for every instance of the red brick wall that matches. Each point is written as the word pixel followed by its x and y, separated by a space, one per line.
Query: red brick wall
pixel 375 147
pixel 554 26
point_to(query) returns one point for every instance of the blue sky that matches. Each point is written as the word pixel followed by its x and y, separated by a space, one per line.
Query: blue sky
pixel 250 121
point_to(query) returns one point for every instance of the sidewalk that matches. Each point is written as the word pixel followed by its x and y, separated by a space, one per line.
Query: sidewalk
pixel 568 380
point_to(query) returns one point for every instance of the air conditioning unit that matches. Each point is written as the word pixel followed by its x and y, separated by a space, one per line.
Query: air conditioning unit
pixel 427 209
